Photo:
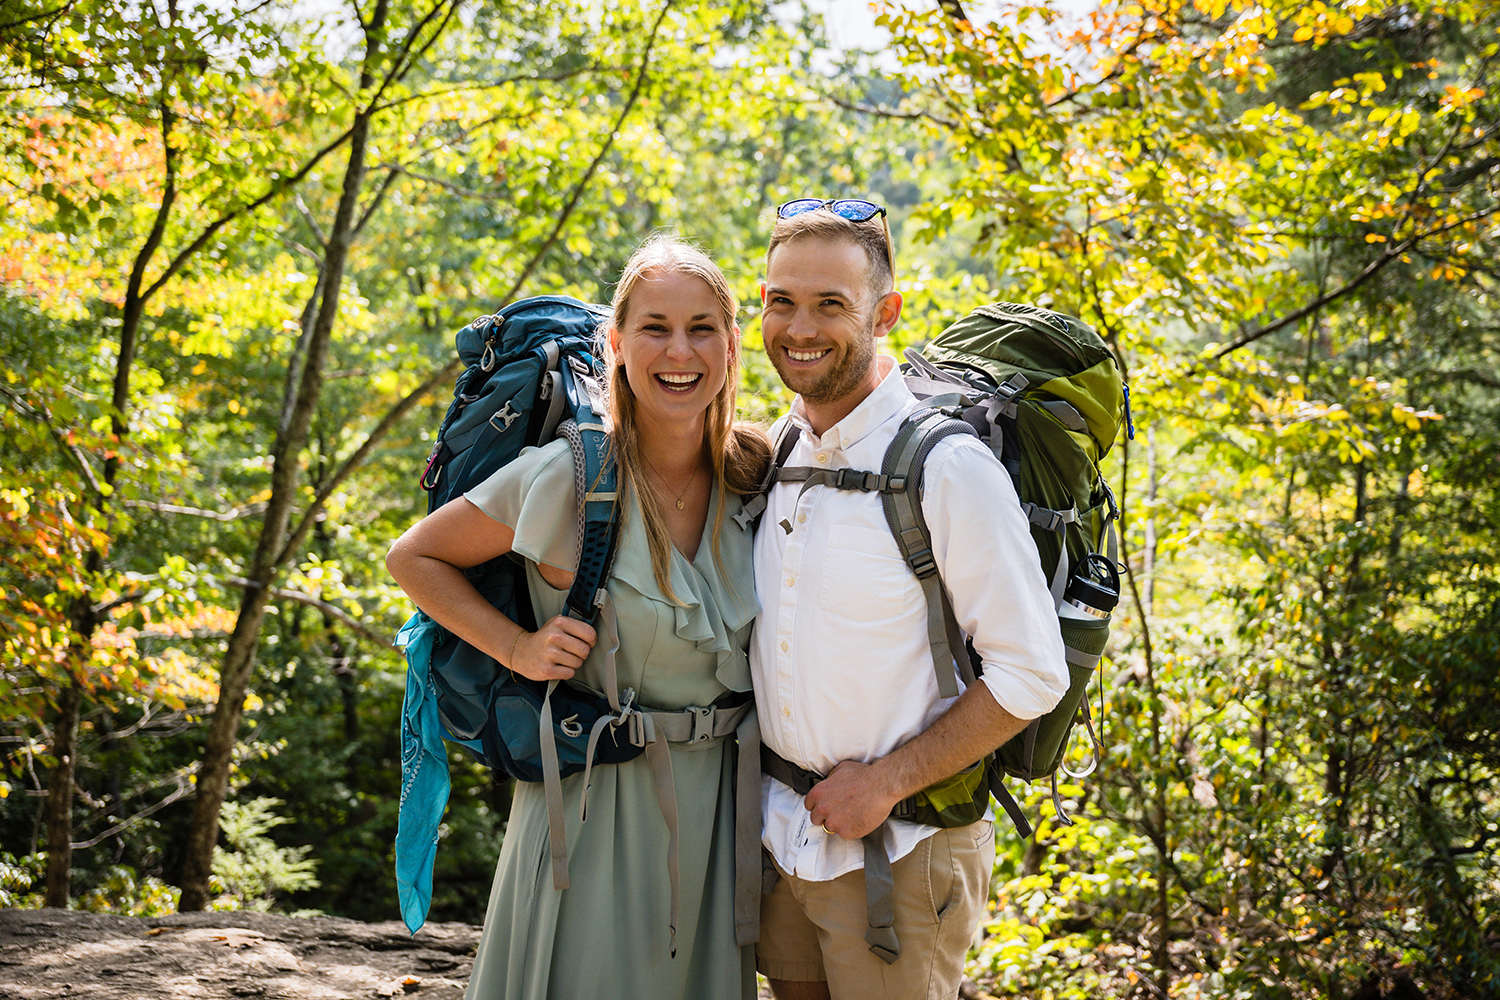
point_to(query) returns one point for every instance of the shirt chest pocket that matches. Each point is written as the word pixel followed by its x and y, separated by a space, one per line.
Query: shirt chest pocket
pixel 864 577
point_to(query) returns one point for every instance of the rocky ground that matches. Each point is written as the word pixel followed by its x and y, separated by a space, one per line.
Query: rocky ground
pixel 68 955
pixel 208 956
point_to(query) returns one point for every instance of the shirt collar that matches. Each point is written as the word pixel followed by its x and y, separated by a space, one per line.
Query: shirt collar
pixel 890 400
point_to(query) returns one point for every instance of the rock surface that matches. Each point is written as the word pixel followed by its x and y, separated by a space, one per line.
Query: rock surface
pixel 48 954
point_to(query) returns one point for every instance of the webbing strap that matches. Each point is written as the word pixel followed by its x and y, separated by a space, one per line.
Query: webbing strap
pixel 747 850
pixel 839 479
pixel 660 760
pixel 557 835
pixel 655 730
pixel 943 635
pixel 880 910
pixel 611 634
pixel 754 506
pixel 551 390
pixel 880 894
pixel 1009 804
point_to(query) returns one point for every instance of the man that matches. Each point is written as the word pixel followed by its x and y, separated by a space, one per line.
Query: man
pixel 843 671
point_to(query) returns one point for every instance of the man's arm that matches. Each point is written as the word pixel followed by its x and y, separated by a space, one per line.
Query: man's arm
pixel 855 798
pixel 988 564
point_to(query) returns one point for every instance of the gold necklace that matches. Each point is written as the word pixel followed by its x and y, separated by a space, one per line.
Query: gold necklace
pixel 662 479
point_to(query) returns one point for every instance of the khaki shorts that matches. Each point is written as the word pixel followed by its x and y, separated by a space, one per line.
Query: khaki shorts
pixel 813 931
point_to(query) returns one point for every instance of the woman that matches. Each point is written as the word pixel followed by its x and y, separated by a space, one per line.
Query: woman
pixel 683 596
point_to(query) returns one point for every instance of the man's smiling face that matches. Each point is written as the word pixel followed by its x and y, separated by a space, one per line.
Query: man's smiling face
pixel 819 323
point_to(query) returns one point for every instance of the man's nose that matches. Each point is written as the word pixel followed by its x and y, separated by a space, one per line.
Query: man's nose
pixel 801 325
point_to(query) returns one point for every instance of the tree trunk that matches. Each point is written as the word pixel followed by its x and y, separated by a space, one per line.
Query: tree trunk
pixel 60 797
pixel 272 553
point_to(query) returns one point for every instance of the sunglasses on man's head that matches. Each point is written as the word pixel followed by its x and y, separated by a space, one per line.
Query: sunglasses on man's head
pixel 853 209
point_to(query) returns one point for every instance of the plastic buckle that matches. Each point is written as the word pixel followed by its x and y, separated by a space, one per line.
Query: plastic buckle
pixel 703 724
pixel 857 479
pixel 635 727
pixel 923 564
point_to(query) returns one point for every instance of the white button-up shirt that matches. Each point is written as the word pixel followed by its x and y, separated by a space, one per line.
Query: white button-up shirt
pixel 840 658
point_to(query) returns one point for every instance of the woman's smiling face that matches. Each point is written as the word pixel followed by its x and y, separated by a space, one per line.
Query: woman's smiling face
pixel 674 346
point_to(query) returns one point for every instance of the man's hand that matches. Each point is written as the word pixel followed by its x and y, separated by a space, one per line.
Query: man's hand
pixel 852 801
pixel 856 798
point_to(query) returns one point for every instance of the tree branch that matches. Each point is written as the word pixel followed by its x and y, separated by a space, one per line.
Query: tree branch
pixel 385 186
pixel 331 610
pixel 233 514
pixel 1392 252
pixel 183 789
pixel 447 372
pixel 274 191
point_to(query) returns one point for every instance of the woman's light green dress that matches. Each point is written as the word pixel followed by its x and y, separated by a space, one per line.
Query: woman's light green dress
pixel 607 935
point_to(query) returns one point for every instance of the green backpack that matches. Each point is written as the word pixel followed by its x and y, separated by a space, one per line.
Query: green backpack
pixel 1044 392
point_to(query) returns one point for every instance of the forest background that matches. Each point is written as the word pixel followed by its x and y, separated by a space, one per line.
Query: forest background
pixel 238 238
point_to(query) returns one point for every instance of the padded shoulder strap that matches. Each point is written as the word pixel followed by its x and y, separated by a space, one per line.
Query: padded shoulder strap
pixel 904 459
pixel 595 479
pixel 754 506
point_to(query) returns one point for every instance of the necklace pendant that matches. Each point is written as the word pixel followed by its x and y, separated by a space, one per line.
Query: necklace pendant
pixel 679 503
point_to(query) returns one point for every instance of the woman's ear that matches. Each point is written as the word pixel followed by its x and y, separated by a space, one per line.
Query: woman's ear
pixel 612 334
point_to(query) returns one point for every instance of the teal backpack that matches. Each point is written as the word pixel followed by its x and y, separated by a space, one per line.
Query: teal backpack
pixel 531 375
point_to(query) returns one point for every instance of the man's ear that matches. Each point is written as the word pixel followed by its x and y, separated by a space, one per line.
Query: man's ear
pixel 763 293
pixel 887 313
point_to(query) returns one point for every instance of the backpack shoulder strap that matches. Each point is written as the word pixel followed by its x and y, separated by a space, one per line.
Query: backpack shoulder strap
pixel 755 505
pixel 595 479
pixel 904 459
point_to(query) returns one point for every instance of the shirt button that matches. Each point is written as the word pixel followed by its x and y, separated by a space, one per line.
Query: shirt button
pixel 791 581
pixel 786 711
pixel 801 518
pixel 822 457
pixel 784 647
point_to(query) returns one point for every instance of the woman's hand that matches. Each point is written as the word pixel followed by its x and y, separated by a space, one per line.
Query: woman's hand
pixel 553 652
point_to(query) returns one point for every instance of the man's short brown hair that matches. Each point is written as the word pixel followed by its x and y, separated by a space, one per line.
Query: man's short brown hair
pixel 870 236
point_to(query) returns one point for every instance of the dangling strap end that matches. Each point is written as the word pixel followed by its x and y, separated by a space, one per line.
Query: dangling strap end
pixel 1057 805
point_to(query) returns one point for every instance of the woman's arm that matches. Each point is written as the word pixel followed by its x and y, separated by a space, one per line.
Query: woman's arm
pixel 428 562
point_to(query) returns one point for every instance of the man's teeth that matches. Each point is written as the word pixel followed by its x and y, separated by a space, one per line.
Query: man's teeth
pixel 805 355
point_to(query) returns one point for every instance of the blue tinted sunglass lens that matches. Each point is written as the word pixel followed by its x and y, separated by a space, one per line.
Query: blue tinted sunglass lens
pixel 854 210
pixel 799 206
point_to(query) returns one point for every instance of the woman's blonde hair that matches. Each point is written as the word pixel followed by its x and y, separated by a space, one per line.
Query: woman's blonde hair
pixel 740 453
